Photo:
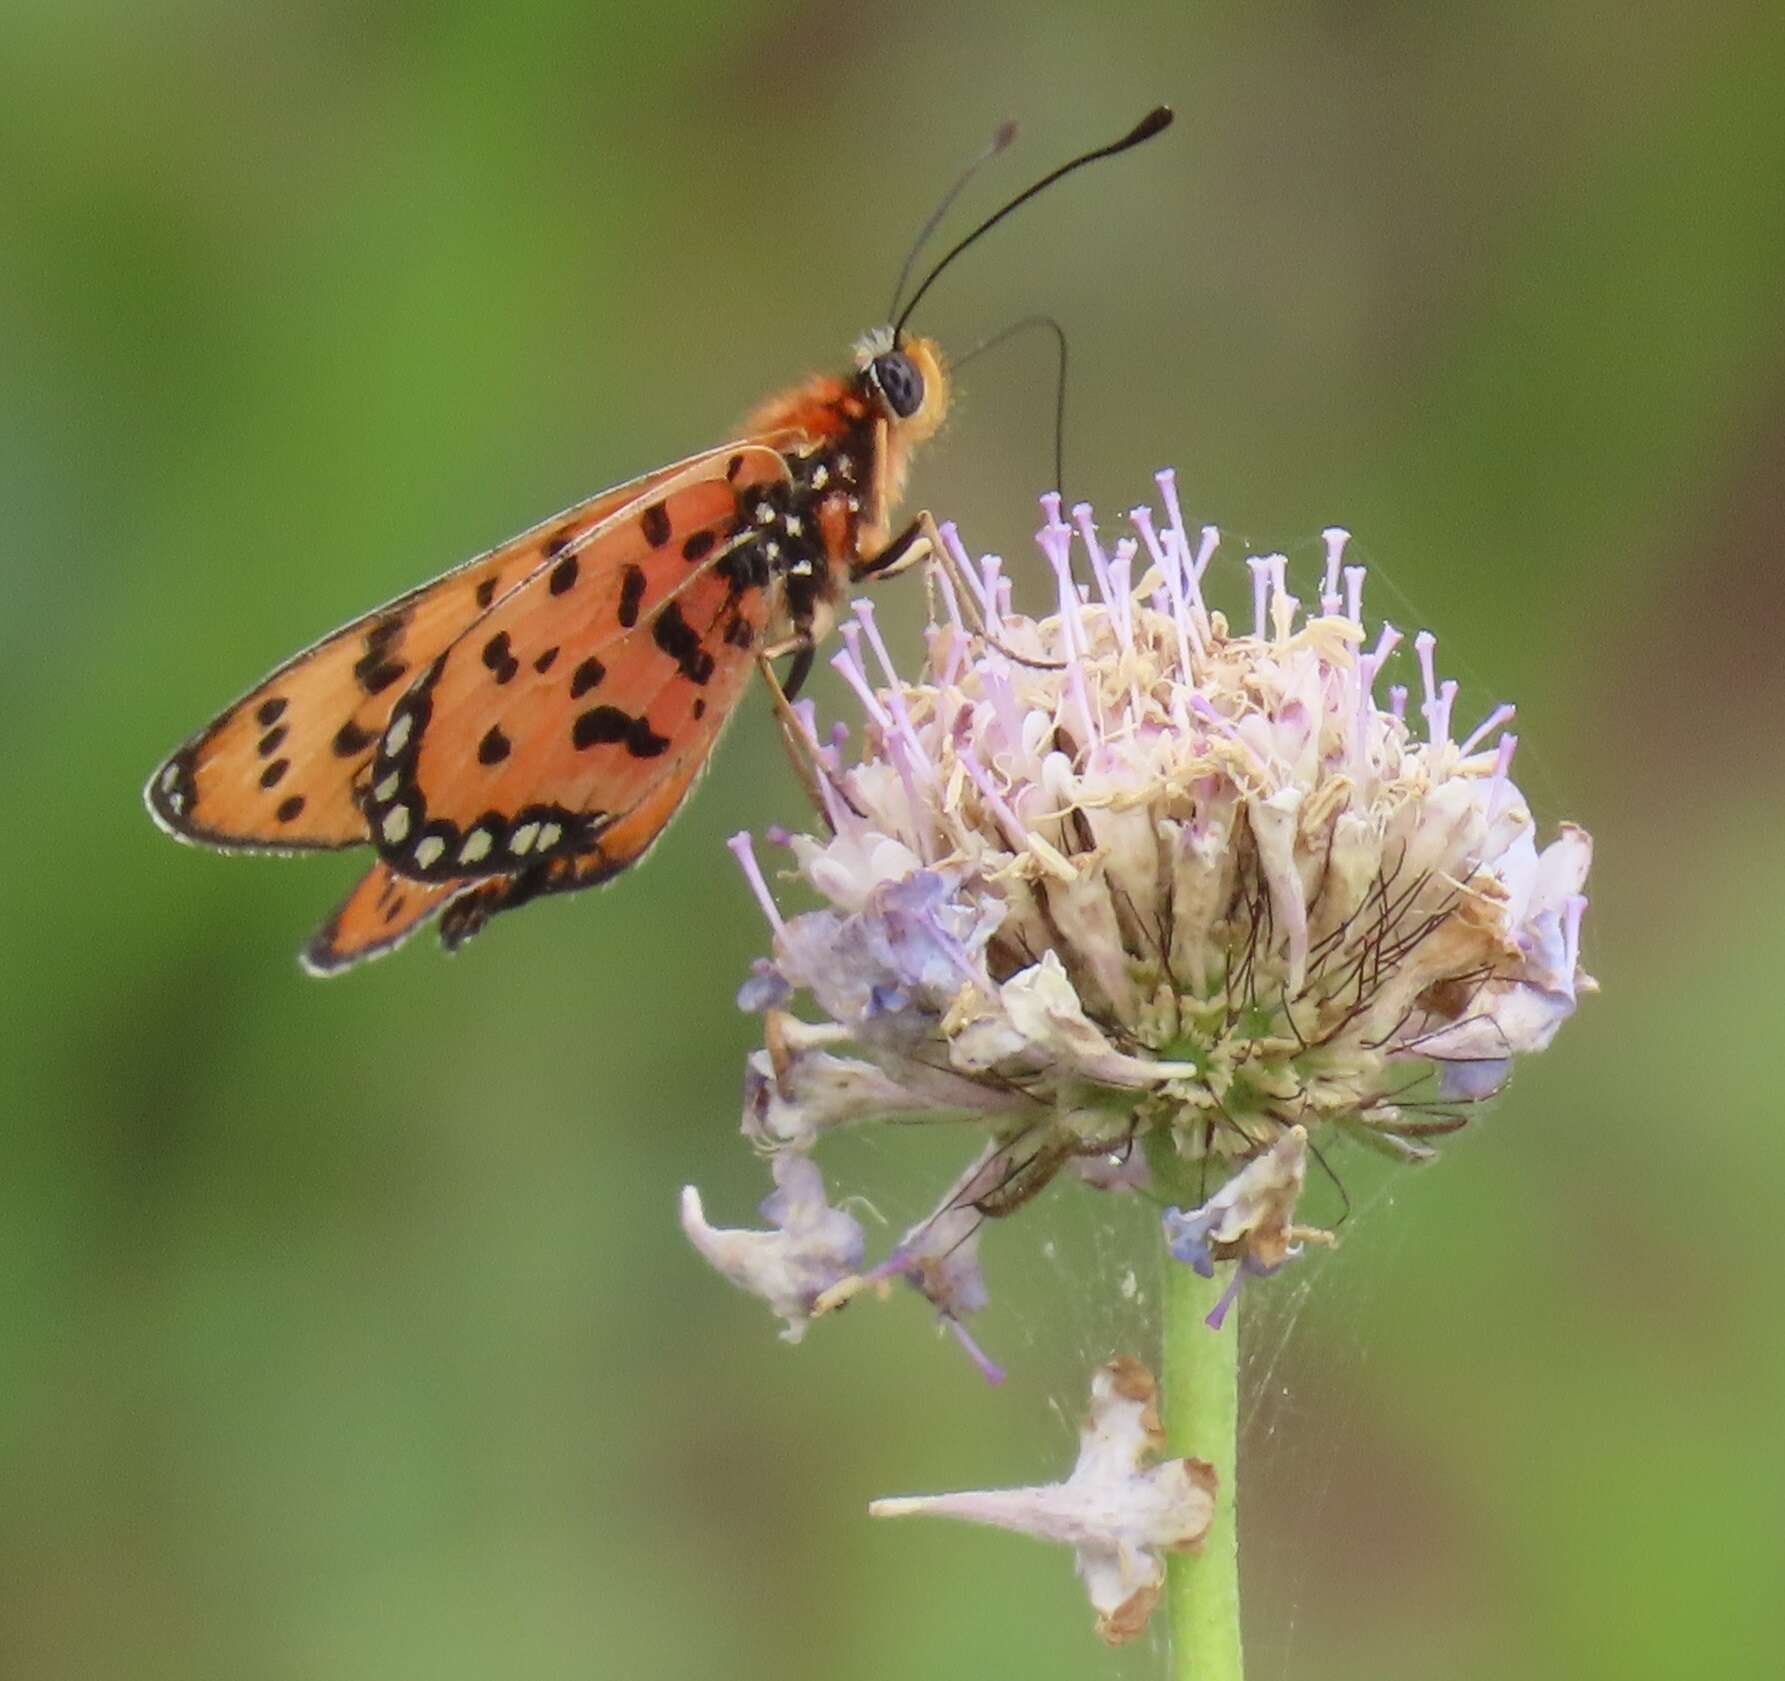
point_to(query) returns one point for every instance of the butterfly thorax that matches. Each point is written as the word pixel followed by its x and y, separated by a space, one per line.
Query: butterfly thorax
pixel 799 541
pixel 849 470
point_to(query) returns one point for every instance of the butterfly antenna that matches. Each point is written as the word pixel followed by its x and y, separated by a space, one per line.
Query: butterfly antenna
pixel 1154 122
pixel 1059 332
pixel 1006 133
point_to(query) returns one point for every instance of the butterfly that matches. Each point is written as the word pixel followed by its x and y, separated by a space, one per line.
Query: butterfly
pixel 530 722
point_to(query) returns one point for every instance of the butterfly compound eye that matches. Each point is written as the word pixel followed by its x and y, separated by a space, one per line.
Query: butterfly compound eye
pixel 899 383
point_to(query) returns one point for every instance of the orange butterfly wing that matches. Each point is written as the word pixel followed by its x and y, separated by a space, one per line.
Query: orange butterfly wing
pixel 602 678
pixel 622 844
pixel 279 770
pixel 381 912
pixel 385 908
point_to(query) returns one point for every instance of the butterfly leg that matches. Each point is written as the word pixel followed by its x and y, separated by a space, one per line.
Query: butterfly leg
pixel 918 541
pixel 802 751
pixel 800 670
pixel 921 541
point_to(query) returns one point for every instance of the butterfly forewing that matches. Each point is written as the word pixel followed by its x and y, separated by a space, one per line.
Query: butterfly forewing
pixel 581 690
pixel 279 770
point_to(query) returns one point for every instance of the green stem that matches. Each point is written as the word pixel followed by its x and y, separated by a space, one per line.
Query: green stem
pixel 1201 1405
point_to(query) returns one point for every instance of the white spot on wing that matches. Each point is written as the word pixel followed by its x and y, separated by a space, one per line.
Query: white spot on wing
pixel 398 733
pixel 428 851
pixel 476 847
pixel 396 824
pixel 521 841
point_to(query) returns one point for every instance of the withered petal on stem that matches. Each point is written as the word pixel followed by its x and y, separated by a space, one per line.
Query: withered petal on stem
pixel 1249 1218
pixel 1121 1510
pixel 811 1247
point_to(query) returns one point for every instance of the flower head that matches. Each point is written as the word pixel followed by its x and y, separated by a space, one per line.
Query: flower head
pixel 1135 888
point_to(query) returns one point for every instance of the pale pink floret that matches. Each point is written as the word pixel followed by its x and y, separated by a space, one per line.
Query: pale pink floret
pixel 810 1247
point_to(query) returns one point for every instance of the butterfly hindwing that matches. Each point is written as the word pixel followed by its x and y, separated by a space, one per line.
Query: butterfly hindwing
pixel 580 691
pixel 621 845
pixel 385 908
pixel 381 912
pixel 278 771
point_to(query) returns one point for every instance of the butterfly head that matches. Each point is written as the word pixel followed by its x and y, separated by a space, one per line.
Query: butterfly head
pixel 906 382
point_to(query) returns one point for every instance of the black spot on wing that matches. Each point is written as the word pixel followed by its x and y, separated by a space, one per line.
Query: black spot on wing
pixel 586 676
pixel 290 807
pixel 544 663
pixel 486 592
pixel 654 523
pixel 501 663
pixel 643 742
pixel 494 747
pixel 699 546
pixel 269 743
pixel 677 638
pixel 270 711
pixel 564 575
pixel 599 726
pixel 274 773
pixel 376 678
pixel 632 592
pixel 375 670
pixel 350 740
pixel 606 725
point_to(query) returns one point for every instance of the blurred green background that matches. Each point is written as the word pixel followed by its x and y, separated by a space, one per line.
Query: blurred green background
pixel 348 1331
